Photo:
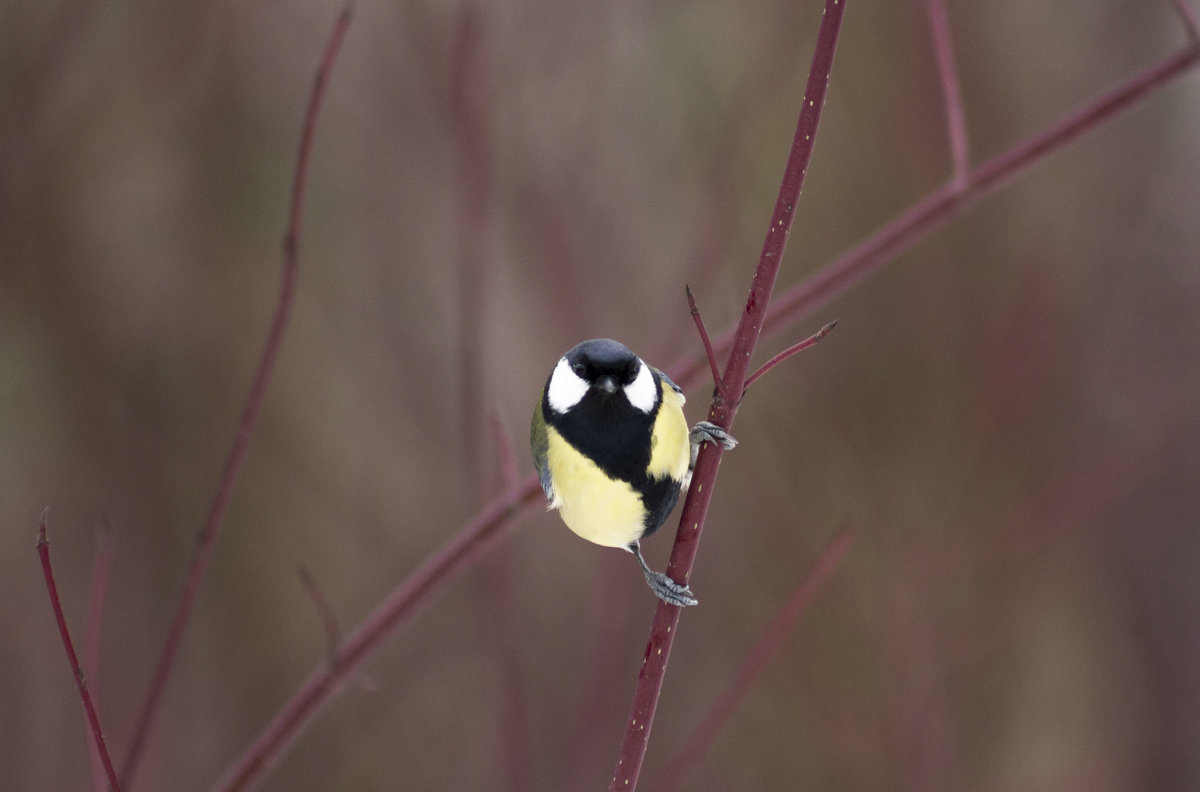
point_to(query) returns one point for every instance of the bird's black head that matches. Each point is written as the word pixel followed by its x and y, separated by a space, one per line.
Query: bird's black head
pixel 604 364
pixel 603 400
pixel 602 373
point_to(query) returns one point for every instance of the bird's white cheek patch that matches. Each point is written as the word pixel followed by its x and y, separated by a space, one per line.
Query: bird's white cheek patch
pixel 566 387
pixel 641 392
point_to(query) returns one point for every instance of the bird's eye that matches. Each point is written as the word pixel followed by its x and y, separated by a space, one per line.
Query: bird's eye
pixel 578 368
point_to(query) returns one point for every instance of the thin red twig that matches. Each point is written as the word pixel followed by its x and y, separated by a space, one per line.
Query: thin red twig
pixel 43 548
pixel 752 666
pixel 812 340
pixel 708 349
pixel 695 508
pixel 207 540
pixel 956 124
pixel 941 206
pixel 91 636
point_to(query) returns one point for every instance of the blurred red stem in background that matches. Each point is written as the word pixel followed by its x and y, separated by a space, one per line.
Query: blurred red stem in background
pixel 472 79
pixel 756 660
pixel 695 507
pixel 510 474
pixel 1188 18
pixel 207 540
pixel 949 201
pixel 469 85
pixel 91 636
pixel 43 548
pixel 956 123
pixel 398 608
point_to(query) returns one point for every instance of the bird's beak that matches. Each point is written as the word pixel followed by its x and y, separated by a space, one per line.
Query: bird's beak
pixel 606 384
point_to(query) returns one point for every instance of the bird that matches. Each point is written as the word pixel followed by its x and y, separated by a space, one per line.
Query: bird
pixel 613 450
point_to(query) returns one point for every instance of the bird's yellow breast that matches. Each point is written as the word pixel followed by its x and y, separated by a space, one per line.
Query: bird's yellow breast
pixel 600 509
pixel 670 448
pixel 608 511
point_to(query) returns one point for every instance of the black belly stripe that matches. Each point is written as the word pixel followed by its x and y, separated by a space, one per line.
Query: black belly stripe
pixel 660 496
pixel 618 441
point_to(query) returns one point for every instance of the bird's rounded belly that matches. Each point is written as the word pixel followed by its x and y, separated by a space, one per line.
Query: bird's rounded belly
pixel 605 511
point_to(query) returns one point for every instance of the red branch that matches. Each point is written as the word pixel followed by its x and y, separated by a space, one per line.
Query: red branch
pixel 708 349
pixel 91 635
pixel 397 609
pixel 43 548
pixel 941 206
pixel 695 508
pixel 329 622
pixel 1188 18
pixel 794 349
pixel 956 124
pixel 756 660
pixel 207 540
pixel 510 473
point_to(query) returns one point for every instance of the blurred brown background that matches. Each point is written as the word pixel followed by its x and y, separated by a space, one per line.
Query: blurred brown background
pixel 1007 415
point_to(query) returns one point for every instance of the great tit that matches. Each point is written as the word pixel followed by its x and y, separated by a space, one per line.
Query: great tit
pixel 613 450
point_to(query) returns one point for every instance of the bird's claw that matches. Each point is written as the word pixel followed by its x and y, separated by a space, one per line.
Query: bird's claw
pixel 708 431
pixel 669 591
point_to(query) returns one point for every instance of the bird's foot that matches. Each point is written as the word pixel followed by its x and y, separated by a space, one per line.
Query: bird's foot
pixel 669 591
pixel 663 587
pixel 706 430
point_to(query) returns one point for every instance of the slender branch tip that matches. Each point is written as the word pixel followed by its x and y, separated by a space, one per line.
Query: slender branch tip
pixel 718 385
pixel 85 696
pixel 812 340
